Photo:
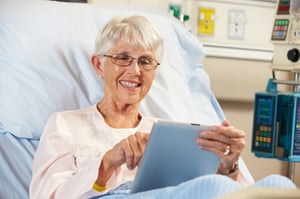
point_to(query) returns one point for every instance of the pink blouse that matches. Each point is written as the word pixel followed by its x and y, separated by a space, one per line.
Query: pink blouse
pixel 70 151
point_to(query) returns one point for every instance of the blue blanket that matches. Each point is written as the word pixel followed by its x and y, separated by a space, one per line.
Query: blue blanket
pixel 205 187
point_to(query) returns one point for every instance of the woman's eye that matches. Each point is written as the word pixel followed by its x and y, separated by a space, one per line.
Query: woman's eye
pixel 145 61
pixel 123 58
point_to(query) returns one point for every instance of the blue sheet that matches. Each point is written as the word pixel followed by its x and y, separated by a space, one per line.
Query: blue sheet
pixel 205 187
pixel 16 155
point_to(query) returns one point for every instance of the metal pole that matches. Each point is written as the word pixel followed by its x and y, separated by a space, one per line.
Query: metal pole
pixel 296 79
pixel 291 170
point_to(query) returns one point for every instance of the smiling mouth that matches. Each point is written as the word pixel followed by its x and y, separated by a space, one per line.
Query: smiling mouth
pixel 130 84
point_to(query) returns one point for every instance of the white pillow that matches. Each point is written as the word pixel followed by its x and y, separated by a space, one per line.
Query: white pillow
pixel 44 62
pixel 45 65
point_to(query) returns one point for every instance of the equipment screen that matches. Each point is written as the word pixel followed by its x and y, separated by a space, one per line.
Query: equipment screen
pixel 283 7
pixel 263 124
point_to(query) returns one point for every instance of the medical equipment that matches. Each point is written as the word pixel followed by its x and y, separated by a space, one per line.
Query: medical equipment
pixel 176 10
pixel 276 121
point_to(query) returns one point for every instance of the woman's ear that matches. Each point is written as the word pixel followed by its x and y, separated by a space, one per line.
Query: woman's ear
pixel 96 61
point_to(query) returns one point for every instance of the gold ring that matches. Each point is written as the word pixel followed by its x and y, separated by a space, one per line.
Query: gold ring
pixel 227 150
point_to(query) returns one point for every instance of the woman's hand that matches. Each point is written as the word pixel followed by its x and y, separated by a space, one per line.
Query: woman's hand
pixel 225 141
pixel 128 151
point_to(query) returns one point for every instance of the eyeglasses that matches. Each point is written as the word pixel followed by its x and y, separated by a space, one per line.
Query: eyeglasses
pixel 144 62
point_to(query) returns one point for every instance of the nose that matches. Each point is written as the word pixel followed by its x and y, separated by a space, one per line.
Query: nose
pixel 134 67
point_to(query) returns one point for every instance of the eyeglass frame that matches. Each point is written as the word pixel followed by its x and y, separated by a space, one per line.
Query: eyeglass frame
pixel 113 57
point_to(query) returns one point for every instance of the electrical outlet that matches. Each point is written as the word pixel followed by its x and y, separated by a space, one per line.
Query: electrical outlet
pixel 296 34
pixel 206 21
pixel 236 24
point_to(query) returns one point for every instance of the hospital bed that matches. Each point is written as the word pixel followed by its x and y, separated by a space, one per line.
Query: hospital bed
pixel 45 67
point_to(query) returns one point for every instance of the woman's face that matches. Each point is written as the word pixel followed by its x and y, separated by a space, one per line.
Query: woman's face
pixel 126 84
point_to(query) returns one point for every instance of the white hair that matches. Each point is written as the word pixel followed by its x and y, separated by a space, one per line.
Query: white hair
pixel 137 30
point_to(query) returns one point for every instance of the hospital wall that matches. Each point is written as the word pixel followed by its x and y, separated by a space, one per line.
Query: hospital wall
pixel 238 65
pixel 239 52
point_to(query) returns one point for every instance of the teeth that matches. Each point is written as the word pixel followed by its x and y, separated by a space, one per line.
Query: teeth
pixel 129 84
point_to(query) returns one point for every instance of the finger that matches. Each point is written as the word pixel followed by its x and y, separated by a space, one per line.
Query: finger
pixel 214 136
pixel 142 140
pixel 226 160
pixel 220 147
pixel 227 131
pixel 127 152
pixel 219 141
pixel 225 123
pixel 212 145
pixel 135 155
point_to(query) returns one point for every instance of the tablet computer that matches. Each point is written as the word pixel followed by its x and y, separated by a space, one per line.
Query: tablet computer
pixel 172 156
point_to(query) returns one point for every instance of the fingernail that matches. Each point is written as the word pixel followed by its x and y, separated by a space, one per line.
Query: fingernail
pixel 213 128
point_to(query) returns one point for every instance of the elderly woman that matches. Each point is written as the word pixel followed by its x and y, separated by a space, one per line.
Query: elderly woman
pixel 95 151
